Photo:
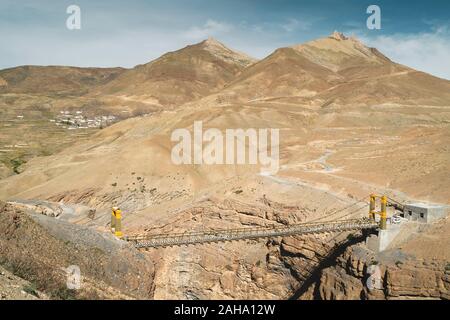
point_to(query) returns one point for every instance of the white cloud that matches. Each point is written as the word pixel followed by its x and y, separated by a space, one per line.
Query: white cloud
pixel 210 28
pixel 429 51
pixel 294 24
pixel 257 28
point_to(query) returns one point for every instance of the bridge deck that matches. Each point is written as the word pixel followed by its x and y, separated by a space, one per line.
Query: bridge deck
pixel 178 239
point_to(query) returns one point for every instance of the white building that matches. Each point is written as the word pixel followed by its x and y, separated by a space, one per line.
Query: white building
pixel 423 212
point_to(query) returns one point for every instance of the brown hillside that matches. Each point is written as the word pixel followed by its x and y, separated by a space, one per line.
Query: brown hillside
pixel 180 76
pixel 337 70
pixel 54 79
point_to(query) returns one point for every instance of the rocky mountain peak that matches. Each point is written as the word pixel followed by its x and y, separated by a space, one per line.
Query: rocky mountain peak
pixel 213 42
pixel 338 36
pixel 221 51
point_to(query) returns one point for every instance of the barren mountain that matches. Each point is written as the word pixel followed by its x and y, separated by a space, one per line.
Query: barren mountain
pixel 336 70
pixel 180 76
pixel 351 123
pixel 54 80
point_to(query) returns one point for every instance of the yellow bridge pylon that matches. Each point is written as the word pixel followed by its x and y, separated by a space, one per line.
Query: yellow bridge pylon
pixel 382 212
pixel 116 222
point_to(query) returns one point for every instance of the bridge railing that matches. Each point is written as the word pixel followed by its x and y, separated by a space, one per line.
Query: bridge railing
pixel 163 240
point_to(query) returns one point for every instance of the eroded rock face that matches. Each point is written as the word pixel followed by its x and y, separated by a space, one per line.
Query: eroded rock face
pixel 337 284
pixel 265 269
pixel 418 280
pixel 402 279
pixel 67 212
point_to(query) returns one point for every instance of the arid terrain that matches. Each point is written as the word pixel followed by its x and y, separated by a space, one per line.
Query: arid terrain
pixel 42 102
pixel 352 122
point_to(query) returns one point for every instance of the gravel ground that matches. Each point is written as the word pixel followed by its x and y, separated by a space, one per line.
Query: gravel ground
pixel 15 288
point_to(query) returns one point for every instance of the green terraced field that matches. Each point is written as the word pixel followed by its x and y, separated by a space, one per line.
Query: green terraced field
pixel 26 131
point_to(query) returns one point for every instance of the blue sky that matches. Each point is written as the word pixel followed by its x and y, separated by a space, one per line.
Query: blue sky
pixel 127 33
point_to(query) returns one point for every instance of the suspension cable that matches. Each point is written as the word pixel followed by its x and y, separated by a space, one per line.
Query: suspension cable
pixel 343 209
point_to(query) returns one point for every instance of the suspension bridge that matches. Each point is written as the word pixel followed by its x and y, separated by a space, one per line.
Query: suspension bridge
pixel 190 238
pixel 339 224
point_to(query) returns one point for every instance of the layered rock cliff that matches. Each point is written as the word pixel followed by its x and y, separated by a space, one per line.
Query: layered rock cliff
pixel 358 275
